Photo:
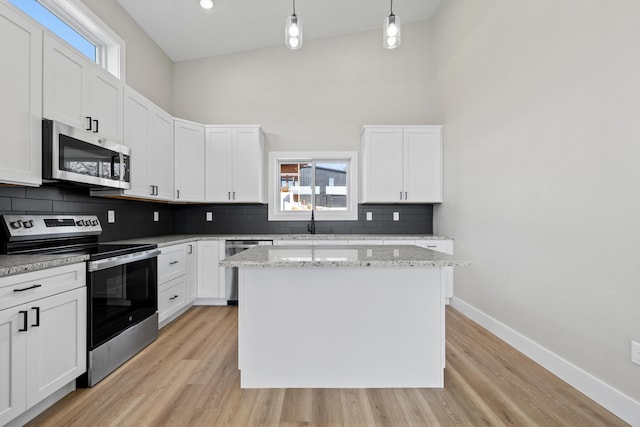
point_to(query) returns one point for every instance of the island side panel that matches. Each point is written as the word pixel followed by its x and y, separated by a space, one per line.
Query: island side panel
pixel 351 327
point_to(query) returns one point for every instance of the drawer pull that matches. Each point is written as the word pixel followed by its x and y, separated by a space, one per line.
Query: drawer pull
pixel 174 297
pixel 26 289
pixel 24 321
pixel 173 262
pixel 37 309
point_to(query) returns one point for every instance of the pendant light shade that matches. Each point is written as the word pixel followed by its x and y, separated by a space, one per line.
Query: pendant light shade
pixel 206 4
pixel 391 31
pixel 293 30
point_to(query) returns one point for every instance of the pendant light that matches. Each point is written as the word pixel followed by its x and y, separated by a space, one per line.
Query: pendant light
pixel 391 31
pixel 206 4
pixel 293 30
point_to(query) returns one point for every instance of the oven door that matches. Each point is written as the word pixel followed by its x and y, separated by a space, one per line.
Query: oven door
pixel 121 292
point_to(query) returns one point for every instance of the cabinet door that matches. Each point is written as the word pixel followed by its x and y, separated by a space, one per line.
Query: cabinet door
pixel 247 166
pixel 210 275
pixel 106 104
pixel 423 164
pixel 56 343
pixel 190 161
pixel 137 128
pixel 219 157
pixel 65 90
pixel 172 263
pixel 161 154
pixel 12 364
pixel 21 100
pixel 192 272
pixel 382 165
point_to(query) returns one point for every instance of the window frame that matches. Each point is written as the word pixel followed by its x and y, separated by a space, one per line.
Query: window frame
pixel 110 48
pixel 314 157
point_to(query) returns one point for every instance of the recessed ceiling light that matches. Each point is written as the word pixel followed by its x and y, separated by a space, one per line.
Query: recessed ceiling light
pixel 206 4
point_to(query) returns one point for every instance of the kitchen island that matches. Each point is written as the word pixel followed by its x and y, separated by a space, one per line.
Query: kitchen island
pixel 341 316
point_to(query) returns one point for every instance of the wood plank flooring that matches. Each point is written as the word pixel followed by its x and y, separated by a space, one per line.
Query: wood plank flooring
pixel 189 377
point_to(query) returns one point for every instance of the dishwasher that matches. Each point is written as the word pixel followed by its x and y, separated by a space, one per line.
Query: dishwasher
pixel 232 247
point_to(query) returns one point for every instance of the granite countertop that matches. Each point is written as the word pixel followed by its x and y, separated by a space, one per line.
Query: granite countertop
pixel 175 239
pixel 16 264
pixel 342 256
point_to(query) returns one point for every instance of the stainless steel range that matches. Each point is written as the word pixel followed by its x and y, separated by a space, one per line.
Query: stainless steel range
pixel 122 290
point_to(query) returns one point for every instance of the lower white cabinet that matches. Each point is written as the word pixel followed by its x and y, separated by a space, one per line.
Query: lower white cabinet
pixel 173 276
pixel 192 272
pixel 211 283
pixel 43 338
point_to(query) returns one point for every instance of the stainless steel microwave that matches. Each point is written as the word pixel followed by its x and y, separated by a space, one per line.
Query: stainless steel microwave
pixel 77 156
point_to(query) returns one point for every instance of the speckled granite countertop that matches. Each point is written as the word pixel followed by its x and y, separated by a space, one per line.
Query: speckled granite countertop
pixel 174 239
pixel 16 264
pixel 342 256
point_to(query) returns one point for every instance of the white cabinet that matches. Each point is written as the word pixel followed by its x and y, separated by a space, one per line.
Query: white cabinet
pixel 211 277
pixel 21 100
pixel 148 130
pixel 401 164
pixel 234 164
pixel 172 283
pixel 42 335
pixel 189 161
pixel 192 272
pixel 79 93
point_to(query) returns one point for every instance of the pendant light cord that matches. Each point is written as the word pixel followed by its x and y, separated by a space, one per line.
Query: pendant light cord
pixel 294 7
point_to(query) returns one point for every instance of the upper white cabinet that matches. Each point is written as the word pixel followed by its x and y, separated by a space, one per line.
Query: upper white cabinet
pixel 189 161
pixel 79 93
pixel 21 100
pixel 148 130
pixel 401 164
pixel 234 164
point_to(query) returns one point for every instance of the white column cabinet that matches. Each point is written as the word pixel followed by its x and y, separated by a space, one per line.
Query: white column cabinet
pixel 192 272
pixel 42 335
pixel 21 100
pixel 189 140
pixel 401 164
pixel 211 283
pixel 148 130
pixel 234 164
pixel 79 93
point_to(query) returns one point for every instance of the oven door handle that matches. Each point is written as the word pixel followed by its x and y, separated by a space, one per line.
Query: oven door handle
pixel 121 260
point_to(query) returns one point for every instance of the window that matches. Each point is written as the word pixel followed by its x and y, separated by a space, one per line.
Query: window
pixel 74 23
pixel 321 182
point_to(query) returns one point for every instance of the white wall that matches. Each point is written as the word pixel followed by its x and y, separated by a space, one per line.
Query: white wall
pixel 540 102
pixel 317 97
pixel 149 69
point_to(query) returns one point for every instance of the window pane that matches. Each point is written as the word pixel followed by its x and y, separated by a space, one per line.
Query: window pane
pixel 331 186
pixel 57 26
pixel 295 186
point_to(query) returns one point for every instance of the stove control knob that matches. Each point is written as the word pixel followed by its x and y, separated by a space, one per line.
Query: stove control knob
pixel 95 222
pixel 16 224
pixel 80 223
pixel 28 224
pixel 87 223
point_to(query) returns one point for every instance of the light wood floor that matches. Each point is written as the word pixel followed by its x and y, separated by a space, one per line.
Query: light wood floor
pixel 189 377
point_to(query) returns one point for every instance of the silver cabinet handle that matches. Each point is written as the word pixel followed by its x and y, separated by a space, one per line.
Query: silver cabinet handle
pixel 90 120
pixel 177 194
pixel 25 324
pixel 190 249
pixel 229 195
pixel 96 129
pixel 234 195
pixel 173 262
pixel 26 289
pixel 401 195
pixel 173 297
pixel 405 196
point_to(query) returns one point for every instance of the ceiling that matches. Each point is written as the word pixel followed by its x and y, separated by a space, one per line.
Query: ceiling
pixel 186 31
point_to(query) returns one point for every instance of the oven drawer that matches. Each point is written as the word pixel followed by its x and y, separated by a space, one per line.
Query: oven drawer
pixel 25 287
pixel 172 263
pixel 172 297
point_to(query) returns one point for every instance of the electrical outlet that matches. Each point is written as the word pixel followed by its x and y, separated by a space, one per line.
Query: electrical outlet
pixel 369 216
pixel 396 216
pixel 209 216
pixel 111 217
pixel 635 352
pixel 156 216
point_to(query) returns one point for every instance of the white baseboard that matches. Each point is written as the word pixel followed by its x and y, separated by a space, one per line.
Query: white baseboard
pixel 613 400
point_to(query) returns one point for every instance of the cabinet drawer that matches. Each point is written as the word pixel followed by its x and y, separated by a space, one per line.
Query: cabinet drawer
pixel 172 263
pixel 171 297
pixel 25 287
pixel 445 246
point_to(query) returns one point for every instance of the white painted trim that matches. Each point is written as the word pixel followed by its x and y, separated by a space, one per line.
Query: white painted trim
pixel 602 393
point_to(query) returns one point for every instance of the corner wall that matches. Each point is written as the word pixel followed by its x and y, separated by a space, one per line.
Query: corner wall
pixel 540 106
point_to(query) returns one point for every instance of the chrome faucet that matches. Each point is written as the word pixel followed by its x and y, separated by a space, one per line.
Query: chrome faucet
pixel 311 228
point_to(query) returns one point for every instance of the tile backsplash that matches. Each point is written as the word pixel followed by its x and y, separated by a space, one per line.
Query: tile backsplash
pixel 134 218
